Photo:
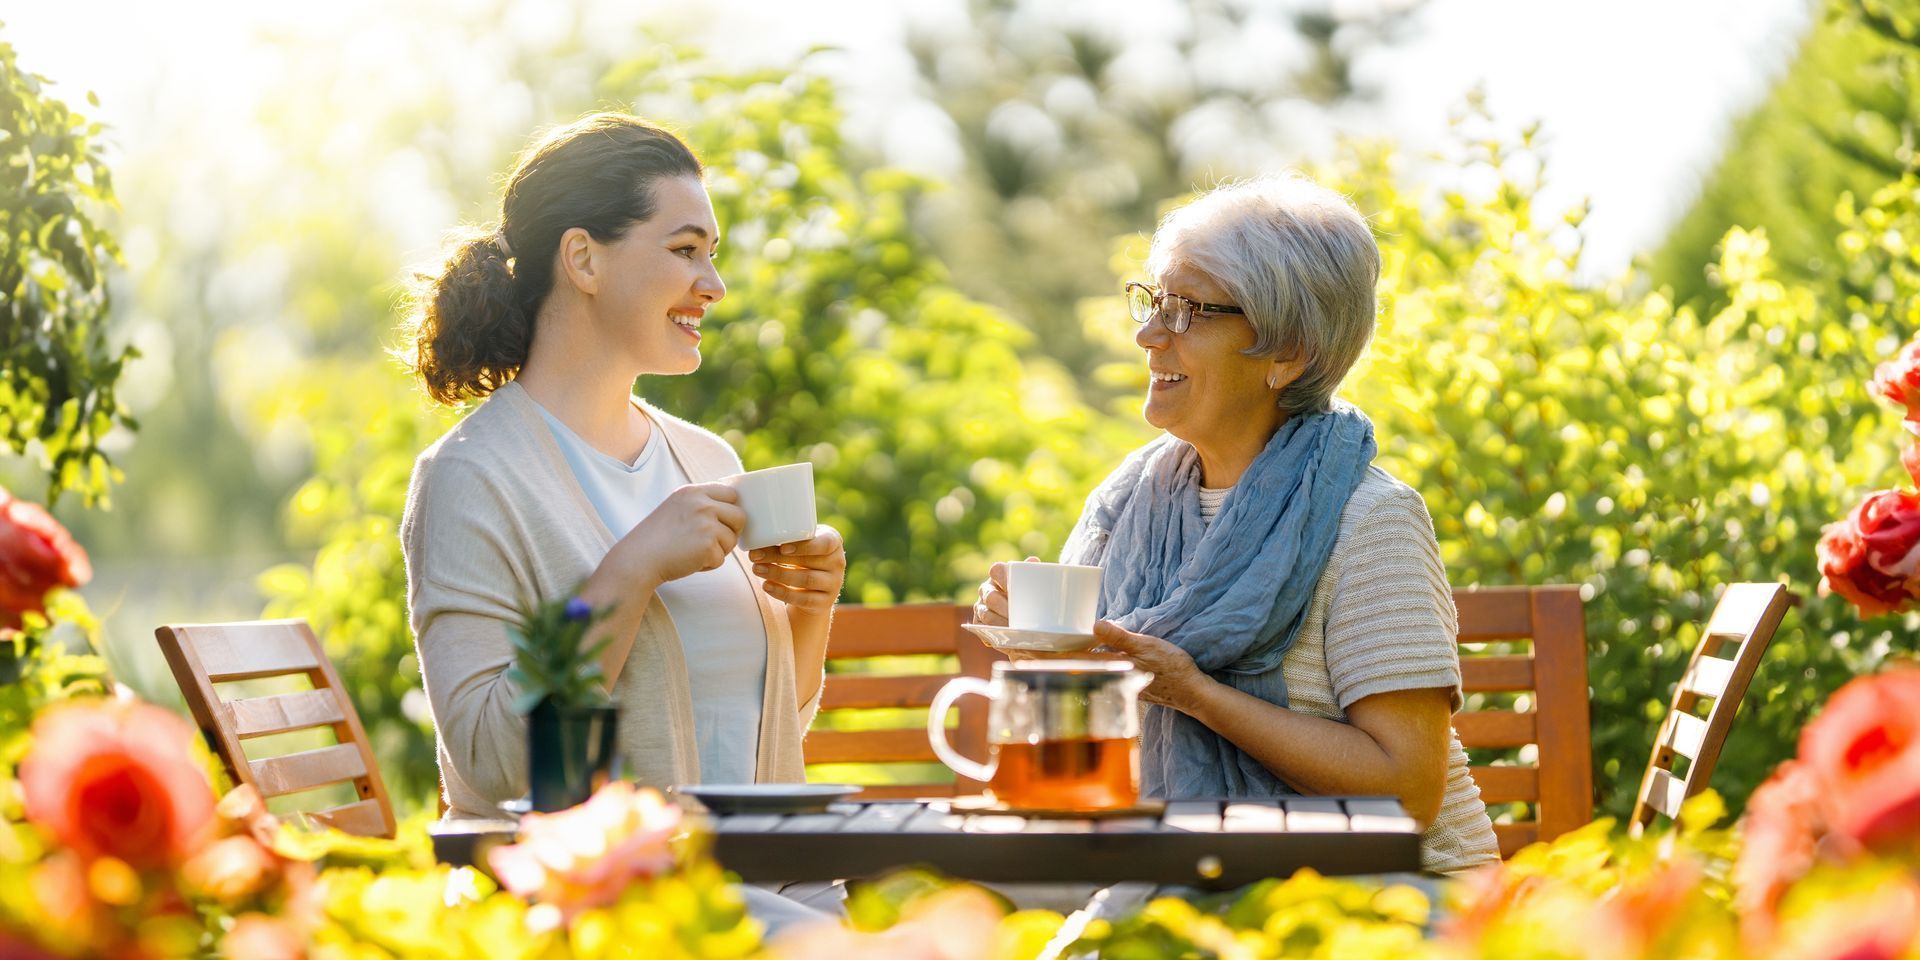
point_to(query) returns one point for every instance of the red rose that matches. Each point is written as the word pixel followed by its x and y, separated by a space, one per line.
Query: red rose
pixel 1871 557
pixel 114 778
pixel 36 555
pixel 1898 380
pixel 1864 751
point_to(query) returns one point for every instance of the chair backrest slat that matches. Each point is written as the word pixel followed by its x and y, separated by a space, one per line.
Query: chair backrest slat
pixel 1507 784
pixel 920 628
pixel 1708 676
pixel 1688 734
pixel 282 713
pixel 294 772
pixel 858 692
pixel 1559 784
pixel 276 649
pixel 1497 729
pixel 1735 639
pixel 1498 674
pixel 363 817
pixel 202 655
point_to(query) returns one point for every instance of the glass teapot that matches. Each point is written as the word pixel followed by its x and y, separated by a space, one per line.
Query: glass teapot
pixel 1061 734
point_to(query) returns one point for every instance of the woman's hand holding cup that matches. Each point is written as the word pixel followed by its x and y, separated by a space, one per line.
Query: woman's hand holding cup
pixel 691 531
pixel 991 608
pixel 806 574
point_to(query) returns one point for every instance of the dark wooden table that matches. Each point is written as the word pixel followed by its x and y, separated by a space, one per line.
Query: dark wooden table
pixel 1203 843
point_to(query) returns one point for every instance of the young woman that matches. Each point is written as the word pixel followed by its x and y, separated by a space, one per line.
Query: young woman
pixel 601 271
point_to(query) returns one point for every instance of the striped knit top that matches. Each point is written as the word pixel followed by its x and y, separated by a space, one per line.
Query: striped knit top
pixel 1382 619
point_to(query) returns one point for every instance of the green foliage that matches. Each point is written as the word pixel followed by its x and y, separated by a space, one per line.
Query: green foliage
pixel 47 661
pixel 1568 433
pixel 551 658
pixel 1840 120
pixel 57 371
pixel 1072 131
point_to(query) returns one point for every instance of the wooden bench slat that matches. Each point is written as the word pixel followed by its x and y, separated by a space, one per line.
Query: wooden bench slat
pixel 1513 836
pixel 1496 674
pixel 1494 613
pixel 857 691
pixel 1504 784
pixel 870 746
pixel 361 819
pixel 1708 676
pixel 1379 816
pixel 1309 815
pixel 261 650
pixel 1495 728
pixel 894 631
pixel 261 716
pixel 1689 732
pixel 295 772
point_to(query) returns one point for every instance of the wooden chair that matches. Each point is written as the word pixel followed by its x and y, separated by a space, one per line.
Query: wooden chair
pixel 860 633
pixel 203 655
pixel 1559 785
pixel 1745 619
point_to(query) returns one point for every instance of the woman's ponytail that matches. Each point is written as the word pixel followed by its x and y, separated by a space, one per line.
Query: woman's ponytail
pixel 471 334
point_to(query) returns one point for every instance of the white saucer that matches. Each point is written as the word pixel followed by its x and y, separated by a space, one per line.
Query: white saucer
pixel 1047 641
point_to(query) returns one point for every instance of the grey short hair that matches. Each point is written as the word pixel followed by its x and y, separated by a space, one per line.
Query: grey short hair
pixel 1298 258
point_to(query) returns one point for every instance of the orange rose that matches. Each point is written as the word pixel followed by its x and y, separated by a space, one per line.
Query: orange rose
pixel 584 857
pixel 1864 752
pixel 257 936
pixel 110 778
pixel 36 555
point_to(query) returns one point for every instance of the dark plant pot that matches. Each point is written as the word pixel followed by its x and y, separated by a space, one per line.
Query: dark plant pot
pixel 570 753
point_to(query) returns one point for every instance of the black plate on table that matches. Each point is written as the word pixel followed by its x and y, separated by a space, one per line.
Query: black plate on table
pixel 728 799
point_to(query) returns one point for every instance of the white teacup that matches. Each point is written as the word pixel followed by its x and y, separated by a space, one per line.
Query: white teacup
pixel 1057 597
pixel 778 502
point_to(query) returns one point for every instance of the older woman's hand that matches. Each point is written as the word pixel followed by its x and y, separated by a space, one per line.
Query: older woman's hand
pixel 1177 680
pixel 991 608
pixel 806 575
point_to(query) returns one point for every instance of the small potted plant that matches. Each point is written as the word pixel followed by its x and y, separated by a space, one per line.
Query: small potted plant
pixel 570 719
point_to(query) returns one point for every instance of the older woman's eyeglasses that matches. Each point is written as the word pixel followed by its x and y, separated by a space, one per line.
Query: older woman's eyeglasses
pixel 1175 311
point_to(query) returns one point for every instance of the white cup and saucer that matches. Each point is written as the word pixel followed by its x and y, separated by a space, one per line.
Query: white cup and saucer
pixel 1050 608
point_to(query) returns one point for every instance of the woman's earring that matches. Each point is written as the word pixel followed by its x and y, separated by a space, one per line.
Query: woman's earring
pixel 1273 380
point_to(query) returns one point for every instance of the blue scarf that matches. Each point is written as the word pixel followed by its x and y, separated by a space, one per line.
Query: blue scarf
pixel 1232 593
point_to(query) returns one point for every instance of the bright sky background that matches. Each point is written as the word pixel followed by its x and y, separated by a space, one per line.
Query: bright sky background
pixel 1635 94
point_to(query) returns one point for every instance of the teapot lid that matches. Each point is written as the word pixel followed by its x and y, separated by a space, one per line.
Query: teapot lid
pixel 1064 673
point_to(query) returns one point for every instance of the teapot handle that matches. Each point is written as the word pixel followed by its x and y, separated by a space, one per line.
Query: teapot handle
pixel 937 728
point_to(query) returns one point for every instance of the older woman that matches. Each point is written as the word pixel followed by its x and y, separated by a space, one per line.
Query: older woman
pixel 1287 595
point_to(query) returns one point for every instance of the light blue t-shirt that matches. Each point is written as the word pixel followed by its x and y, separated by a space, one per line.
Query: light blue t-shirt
pixel 714 612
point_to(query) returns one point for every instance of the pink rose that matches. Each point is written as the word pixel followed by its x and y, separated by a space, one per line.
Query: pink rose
pixel 1871 557
pixel 586 856
pixel 1779 841
pixel 117 778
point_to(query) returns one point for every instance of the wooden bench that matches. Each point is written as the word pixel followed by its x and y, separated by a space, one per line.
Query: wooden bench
pixel 1557 786
pixel 928 629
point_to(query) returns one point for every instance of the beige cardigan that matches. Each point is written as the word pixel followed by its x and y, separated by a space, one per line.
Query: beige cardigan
pixel 494 514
